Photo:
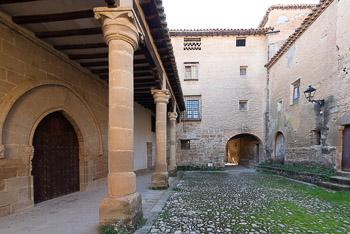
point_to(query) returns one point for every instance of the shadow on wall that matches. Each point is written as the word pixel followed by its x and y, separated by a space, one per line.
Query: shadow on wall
pixel 243 149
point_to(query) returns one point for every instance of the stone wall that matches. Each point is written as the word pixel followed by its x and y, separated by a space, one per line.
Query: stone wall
pixel 320 57
pixel 221 87
pixel 36 80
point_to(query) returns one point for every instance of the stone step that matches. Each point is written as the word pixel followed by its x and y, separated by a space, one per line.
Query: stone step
pixel 341 180
pixel 343 173
pixel 335 186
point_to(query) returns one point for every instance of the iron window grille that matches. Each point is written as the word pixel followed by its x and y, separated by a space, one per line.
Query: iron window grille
pixel 241 42
pixel 193 108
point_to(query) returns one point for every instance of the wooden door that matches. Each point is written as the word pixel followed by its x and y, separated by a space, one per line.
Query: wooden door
pixel 55 165
pixel 280 147
pixel 346 149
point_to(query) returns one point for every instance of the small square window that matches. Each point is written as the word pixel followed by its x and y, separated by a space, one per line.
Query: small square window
pixel 243 105
pixel 241 42
pixel 316 137
pixel 243 70
pixel 185 144
pixel 191 71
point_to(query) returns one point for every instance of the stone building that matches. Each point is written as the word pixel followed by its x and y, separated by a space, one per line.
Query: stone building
pixel 317 54
pixel 81 101
pixel 223 76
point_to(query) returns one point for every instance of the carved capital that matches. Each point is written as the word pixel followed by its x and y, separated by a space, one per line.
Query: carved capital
pixel 2 151
pixel 161 96
pixel 118 24
pixel 172 116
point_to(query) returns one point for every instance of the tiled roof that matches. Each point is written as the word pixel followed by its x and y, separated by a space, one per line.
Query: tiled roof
pixel 284 7
pixel 217 32
pixel 309 20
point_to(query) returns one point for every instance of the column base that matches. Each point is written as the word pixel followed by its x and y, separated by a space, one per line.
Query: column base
pixel 172 172
pixel 126 209
pixel 160 180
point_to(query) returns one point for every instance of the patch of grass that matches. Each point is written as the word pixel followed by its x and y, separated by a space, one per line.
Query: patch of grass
pixel 119 228
pixel 317 170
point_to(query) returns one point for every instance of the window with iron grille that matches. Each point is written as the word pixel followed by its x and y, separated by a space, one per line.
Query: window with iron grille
pixel 192 43
pixel 241 42
pixel 185 144
pixel 243 105
pixel 193 108
pixel 191 71
pixel 243 70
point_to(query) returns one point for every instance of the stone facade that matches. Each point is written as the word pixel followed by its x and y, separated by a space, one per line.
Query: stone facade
pixel 319 57
pixel 35 80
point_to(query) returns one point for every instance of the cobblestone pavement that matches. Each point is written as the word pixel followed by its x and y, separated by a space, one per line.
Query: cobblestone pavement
pixel 246 202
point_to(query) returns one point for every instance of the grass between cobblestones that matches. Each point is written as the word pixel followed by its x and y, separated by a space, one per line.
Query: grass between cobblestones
pixel 239 202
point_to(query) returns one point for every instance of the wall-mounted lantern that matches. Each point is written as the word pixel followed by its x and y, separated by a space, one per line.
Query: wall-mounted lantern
pixel 310 94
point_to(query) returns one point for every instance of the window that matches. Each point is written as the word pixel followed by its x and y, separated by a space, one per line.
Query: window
pixel 280 106
pixel 241 42
pixel 295 92
pixel 316 137
pixel 192 44
pixel 193 108
pixel 243 105
pixel 191 71
pixel 185 144
pixel 243 70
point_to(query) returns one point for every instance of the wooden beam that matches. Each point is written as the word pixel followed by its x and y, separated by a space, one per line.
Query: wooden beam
pixel 88 56
pixel 80 46
pixel 72 32
pixel 43 18
pixel 16 1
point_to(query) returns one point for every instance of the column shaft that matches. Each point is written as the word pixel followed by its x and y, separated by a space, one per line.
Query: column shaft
pixel 172 133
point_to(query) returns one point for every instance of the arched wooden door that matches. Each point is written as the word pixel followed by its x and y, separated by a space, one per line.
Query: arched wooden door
pixel 55 165
pixel 280 147
pixel 346 149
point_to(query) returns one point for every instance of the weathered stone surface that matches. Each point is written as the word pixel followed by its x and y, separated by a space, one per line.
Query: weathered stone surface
pixel 160 180
pixel 127 209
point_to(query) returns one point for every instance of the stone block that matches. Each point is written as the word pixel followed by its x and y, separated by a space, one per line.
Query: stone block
pixel 8 172
pixel 160 180
pixel 5 210
pixel 127 209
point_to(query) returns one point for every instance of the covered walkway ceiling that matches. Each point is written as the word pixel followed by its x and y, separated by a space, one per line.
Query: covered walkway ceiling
pixel 70 27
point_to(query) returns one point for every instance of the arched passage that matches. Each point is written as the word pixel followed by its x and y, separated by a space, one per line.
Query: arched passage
pixel 280 147
pixel 243 149
pixel 55 165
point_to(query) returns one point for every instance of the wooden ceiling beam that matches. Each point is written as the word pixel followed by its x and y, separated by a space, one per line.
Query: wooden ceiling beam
pixel 68 33
pixel 43 18
pixel 88 56
pixel 80 46
pixel 15 1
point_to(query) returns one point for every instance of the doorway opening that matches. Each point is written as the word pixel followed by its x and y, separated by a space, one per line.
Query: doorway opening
pixel 243 150
pixel 346 149
pixel 55 165
pixel 280 148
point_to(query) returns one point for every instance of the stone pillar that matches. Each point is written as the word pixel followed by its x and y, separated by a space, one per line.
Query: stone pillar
pixel 123 203
pixel 160 176
pixel 172 161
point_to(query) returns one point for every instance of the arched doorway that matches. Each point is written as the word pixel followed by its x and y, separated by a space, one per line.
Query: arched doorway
pixel 55 165
pixel 280 149
pixel 346 149
pixel 243 150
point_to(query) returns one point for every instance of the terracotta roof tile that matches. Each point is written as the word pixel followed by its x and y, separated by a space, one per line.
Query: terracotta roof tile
pixel 284 7
pixel 217 32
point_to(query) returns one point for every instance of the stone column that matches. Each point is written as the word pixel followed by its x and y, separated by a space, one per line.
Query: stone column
pixel 172 161
pixel 123 203
pixel 160 176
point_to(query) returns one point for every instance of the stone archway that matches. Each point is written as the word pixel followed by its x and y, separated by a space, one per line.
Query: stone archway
pixel 243 149
pixel 280 148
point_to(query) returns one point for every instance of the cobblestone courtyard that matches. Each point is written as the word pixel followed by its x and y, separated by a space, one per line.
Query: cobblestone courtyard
pixel 247 202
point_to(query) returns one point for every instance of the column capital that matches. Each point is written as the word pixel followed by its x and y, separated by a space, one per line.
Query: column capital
pixel 119 24
pixel 172 116
pixel 161 96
